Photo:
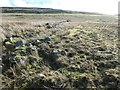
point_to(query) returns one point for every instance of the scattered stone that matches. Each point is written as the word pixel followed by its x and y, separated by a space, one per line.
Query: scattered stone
pixel 28 44
pixel 47 39
pixel 41 75
pixel 29 35
pixel 8 39
pixel 100 48
pixel 80 51
pixel 12 58
pixel 68 20
pixel 56 52
pixel 31 50
pixel 23 60
pixel 19 43
pixel 56 46
pixel 32 59
pixel 9 46
pixel 48 26
pixel 70 55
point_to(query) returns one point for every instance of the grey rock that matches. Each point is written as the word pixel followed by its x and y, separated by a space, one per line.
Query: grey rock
pixel 29 35
pixel 19 43
pixel 56 52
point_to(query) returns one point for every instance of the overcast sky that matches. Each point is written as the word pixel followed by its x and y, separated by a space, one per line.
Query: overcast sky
pixel 100 6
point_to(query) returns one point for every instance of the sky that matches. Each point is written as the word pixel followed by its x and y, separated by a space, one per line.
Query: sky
pixel 99 6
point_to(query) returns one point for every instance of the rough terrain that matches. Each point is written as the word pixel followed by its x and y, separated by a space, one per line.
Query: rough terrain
pixel 60 51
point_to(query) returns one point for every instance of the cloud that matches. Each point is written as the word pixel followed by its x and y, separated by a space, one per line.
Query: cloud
pixel 101 6
pixel 32 3
pixel 20 3
pixel 4 3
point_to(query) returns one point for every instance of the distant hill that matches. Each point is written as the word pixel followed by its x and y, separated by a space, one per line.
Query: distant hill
pixel 38 10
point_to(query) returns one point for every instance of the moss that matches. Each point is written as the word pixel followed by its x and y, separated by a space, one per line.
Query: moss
pixel 64 71
pixel 72 31
pixel 76 75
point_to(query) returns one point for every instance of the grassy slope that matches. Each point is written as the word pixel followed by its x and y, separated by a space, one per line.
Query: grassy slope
pixel 38 10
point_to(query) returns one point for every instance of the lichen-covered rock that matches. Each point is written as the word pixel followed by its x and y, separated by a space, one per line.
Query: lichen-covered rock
pixel 9 46
pixel 19 43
